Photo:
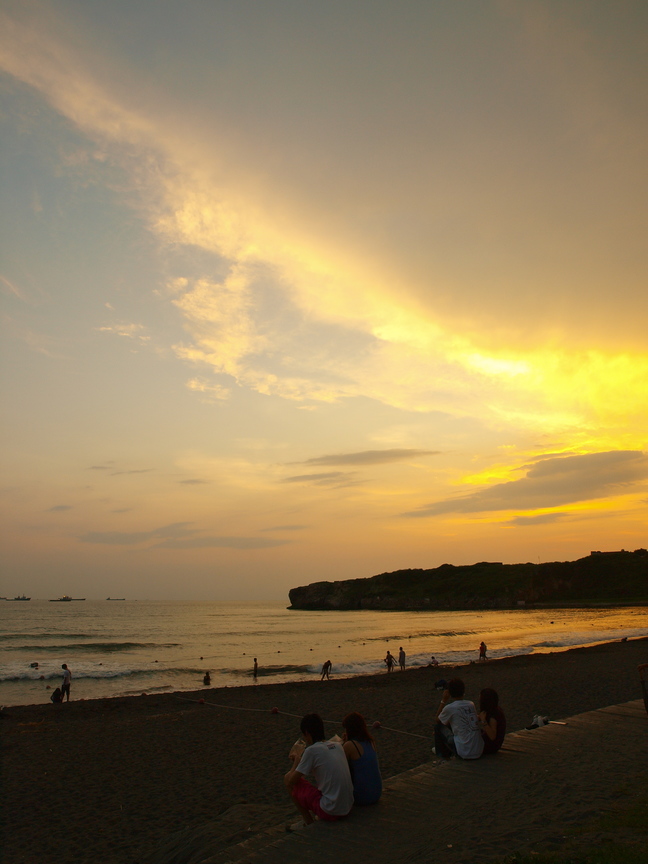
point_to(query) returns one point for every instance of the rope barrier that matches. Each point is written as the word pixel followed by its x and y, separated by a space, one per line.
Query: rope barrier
pixel 288 714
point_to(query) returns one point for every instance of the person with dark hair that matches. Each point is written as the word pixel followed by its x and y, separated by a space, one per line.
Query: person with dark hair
pixel 67 679
pixel 332 796
pixel 389 661
pixel 492 719
pixel 457 732
pixel 326 670
pixel 360 750
pixel 401 658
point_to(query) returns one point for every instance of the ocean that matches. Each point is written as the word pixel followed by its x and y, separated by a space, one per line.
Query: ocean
pixel 121 648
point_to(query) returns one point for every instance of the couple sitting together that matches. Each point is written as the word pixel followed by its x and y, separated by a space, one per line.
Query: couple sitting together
pixel 345 773
pixel 460 731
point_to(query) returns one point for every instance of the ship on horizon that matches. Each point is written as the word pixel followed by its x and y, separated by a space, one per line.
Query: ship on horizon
pixel 65 599
pixel 22 597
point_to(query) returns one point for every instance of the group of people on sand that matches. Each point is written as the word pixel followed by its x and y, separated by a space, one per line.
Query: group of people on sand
pixel 345 772
pixel 461 731
pixel 390 662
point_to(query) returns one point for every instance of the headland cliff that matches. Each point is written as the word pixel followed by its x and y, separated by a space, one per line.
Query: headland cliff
pixel 600 579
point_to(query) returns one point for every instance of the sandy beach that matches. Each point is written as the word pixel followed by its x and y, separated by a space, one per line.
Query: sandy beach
pixel 107 780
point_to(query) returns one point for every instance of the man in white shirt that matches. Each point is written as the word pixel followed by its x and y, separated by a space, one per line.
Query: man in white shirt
pixel 332 796
pixel 457 730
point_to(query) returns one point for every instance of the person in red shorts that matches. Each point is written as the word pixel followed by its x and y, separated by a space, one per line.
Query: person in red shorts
pixel 332 796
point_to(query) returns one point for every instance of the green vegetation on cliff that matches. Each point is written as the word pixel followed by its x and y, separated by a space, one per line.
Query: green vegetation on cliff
pixel 601 578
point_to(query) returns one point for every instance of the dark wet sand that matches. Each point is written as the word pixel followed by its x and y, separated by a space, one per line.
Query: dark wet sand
pixel 106 780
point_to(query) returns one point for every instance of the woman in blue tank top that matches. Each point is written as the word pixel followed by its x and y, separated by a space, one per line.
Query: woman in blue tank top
pixel 363 760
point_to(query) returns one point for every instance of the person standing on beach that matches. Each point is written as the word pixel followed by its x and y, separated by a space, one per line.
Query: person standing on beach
pixel 326 670
pixel 457 729
pixel 482 651
pixel 256 668
pixel 67 680
pixel 389 661
pixel 332 796
pixel 401 659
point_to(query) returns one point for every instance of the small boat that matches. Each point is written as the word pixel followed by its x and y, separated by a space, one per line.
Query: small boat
pixel 22 597
pixel 115 598
pixel 66 599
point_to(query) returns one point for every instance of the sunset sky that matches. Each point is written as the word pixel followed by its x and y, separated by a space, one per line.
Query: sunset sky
pixel 298 290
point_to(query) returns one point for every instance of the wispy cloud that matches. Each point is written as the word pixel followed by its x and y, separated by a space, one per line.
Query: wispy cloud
pixel 553 482
pixel 542 519
pixel 127 331
pixel 36 341
pixel 179 535
pixel 223 543
pixel 324 479
pixel 370 457
pixel 116 472
pixel 11 288
pixel 208 391
pixel 132 538
pixel 59 508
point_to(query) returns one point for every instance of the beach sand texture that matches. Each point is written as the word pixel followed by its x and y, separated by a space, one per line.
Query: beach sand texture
pixel 110 780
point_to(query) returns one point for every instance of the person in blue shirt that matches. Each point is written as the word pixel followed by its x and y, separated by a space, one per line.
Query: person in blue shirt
pixel 363 760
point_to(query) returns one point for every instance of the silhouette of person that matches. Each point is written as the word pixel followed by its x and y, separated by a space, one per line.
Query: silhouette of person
pixel 401 659
pixel 67 680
